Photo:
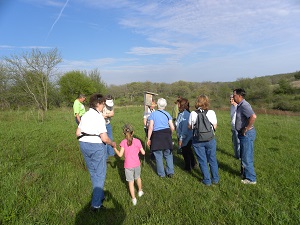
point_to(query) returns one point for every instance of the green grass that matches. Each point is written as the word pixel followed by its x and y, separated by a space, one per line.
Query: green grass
pixel 44 179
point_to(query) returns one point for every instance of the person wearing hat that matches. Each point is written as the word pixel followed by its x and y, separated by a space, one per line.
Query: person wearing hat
pixel 160 138
pixel 79 108
pixel 108 113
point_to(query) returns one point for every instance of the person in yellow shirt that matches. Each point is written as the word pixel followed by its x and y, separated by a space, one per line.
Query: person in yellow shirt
pixel 79 108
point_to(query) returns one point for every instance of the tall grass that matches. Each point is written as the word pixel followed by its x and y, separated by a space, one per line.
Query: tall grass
pixel 44 179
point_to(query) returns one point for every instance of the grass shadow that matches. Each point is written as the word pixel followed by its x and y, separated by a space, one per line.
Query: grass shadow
pixel 225 153
pixel 115 215
pixel 225 166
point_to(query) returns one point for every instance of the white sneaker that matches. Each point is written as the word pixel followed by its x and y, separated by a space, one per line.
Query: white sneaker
pixel 246 181
pixel 140 193
pixel 134 201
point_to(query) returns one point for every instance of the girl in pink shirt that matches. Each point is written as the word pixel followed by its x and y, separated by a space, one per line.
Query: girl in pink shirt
pixel 131 147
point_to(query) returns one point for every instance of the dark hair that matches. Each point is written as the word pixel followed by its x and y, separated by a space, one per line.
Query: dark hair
pixel 178 100
pixel 109 97
pixel 96 98
pixel 202 102
pixel 240 91
pixel 184 104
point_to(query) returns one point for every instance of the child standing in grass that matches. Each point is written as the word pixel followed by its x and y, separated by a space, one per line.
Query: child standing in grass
pixel 131 147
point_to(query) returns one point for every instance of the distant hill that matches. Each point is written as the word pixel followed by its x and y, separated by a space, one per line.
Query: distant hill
pixel 280 91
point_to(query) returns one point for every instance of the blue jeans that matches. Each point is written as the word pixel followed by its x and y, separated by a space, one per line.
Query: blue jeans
pixel 236 144
pixel 247 154
pixel 109 149
pixel 95 159
pixel 167 154
pixel 206 154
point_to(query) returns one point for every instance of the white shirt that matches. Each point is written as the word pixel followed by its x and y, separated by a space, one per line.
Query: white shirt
pixel 211 116
pixel 233 116
pixel 147 114
pixel 106 110
pixel 92 122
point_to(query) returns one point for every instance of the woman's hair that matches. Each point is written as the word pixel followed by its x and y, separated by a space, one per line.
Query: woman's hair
pixel 96 98
pixel 128 131
pixel 202 102
pixel 184 105
pixel 161 103
pixel 109 97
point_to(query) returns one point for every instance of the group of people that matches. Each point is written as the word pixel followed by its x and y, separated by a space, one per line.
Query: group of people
pixel 159 126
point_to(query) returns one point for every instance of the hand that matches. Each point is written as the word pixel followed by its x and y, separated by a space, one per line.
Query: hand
pixel 245 129
pixel 113 144
pixel 179 144
pixel 148 143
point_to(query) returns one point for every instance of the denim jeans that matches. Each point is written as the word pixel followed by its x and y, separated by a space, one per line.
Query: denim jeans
pixel 206 154
pixel 109 149
pixel 167 154
pixel 95 159
pixel 236 144
pixel 247 154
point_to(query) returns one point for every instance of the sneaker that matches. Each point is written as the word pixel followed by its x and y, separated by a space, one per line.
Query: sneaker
pixel 97 209
pixel 134 201
pixel 246 181
pixel 140 193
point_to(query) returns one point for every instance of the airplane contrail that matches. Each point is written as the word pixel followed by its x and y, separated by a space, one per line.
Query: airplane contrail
pixel 61 11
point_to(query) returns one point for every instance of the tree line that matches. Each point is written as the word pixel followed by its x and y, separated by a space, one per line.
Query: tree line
pixel 32 79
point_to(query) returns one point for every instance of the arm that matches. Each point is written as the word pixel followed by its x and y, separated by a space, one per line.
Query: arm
pixel 119 153
pixel 108 114
pixel 78 117
pixel 251 121
pixel 215 126
pixel 107 140
pixel 142 151
pixel 78 132
pixel 150 129
pixel 171 125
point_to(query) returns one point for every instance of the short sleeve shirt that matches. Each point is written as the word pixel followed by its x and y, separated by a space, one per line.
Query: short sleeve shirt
pixel 107 110
pixel 78 108
pixel 92 122
pixel 131 153
pixel 243 112
pixel 161 119
pixel 211 116
pixel 147 114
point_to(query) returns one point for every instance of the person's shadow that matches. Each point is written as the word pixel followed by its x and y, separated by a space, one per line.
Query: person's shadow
pixel 115 215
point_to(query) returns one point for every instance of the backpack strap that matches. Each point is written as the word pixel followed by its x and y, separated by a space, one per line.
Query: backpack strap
pixel 164 113
pixel 85 134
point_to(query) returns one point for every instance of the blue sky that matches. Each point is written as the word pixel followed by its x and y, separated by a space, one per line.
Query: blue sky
pixel 158 40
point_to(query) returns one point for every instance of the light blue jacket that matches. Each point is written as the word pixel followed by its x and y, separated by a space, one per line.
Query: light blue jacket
pixel 183 132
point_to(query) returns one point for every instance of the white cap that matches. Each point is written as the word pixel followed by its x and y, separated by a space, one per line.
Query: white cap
pixel 109 103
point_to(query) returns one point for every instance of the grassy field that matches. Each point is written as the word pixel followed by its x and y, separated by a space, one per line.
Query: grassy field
pixel 44 179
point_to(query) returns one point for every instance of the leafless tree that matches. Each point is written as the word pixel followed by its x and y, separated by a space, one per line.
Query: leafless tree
pixel 33 72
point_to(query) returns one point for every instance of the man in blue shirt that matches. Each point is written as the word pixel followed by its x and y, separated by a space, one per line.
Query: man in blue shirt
pixel 245 118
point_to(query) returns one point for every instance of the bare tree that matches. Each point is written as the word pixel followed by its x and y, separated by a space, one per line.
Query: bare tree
pixel 33 72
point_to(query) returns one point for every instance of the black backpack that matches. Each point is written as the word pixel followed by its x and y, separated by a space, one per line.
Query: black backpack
pixel 203 129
